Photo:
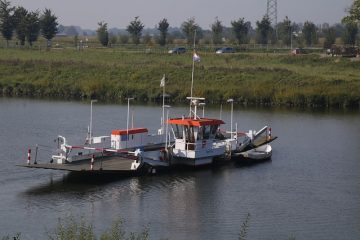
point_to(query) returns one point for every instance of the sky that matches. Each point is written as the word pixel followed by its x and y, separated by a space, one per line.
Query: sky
pixel 119 13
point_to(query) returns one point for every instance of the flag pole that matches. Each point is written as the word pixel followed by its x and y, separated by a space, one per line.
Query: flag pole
pixel 192 73
pixel 163 107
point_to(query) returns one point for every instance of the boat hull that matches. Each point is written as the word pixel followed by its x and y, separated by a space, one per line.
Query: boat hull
pixel 259 154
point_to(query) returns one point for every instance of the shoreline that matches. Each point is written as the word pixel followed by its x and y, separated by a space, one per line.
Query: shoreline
pixel 251 79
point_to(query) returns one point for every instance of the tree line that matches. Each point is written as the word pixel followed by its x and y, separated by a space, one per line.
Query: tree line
pixel 241 32
pixel 27 26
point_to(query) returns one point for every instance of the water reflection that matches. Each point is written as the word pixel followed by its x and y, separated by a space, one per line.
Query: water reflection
pixel 76 185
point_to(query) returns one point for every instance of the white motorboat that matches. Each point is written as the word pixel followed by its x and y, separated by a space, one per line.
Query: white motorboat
pixel 261 153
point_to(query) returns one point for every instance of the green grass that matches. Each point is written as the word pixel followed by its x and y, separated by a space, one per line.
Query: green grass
pixel 114 74
pixel 74 229
pixel 71 228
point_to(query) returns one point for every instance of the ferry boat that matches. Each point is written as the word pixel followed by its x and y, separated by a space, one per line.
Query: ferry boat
pixel 196 141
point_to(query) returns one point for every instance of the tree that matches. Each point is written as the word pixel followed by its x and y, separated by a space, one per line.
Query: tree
pixel 6 20
pixel 349 36
pixel 103 34
pixel 354 13
pixel 147 39
pixel 188 28
pixel 134 29
pixel 163 27
pixel 20 24
pixel 113 39
pixel 48 25
pixel 241 30
pixel 124 39
pixel 217 29
pixel 330 37
pixel 285 31
pixel 32 27
pixel 309 33
pixel 263 30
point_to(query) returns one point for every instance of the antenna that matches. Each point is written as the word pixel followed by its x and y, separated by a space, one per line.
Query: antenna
pixel 271 12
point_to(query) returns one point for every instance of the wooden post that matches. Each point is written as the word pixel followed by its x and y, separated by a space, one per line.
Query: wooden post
pixel 92 163
pixel 29 156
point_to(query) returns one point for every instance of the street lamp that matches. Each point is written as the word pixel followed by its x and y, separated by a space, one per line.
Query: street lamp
pixel 127 118
pixel 232 109
pixel 91 112
pixel 291 41
pixel 203 108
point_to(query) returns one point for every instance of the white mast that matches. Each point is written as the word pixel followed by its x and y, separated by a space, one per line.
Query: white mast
pixel 231 120
pixel 167 125
pixel 163 104
pixel 90 127
pixel 192 72
pixel 127 117
pixel 127 121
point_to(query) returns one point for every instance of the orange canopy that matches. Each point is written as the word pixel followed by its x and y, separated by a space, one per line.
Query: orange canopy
pixel 195 122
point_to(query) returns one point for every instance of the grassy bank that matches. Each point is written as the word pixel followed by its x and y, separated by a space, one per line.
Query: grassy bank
pixel 113 75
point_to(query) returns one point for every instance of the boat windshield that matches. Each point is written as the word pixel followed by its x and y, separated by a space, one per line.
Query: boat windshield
pixel 189 134
pixel 207 132
pixel 178 131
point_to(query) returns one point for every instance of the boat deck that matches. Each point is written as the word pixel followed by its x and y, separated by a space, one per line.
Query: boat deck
pixel 113 164
pixel 263 140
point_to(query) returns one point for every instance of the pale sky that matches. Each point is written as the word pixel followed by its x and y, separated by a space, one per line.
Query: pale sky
pixel 118 13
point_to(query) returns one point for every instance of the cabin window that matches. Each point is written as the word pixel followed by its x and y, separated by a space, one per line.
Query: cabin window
pixel 124 137
pixel 189 133
pixel 200 134
pixel 213 130
pixel 178 131
pixel 206 132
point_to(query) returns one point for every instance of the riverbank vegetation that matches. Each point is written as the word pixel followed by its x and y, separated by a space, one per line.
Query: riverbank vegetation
pixel 71 228
pixel 114 74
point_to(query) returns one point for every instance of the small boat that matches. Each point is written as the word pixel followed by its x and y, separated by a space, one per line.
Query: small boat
pixel 254 155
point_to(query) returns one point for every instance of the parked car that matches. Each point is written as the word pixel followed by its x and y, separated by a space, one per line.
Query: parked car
pixel 225 50
pixel 177 50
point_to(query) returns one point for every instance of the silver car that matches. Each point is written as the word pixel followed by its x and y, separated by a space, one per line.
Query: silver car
pixel 225 50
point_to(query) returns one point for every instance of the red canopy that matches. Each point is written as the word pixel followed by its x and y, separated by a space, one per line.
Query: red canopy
pixel 195 122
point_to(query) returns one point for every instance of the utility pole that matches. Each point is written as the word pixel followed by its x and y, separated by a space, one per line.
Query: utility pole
pixel 272 13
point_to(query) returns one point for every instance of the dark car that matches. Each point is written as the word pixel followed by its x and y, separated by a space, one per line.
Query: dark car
pixel 225 50
pixel 178 50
